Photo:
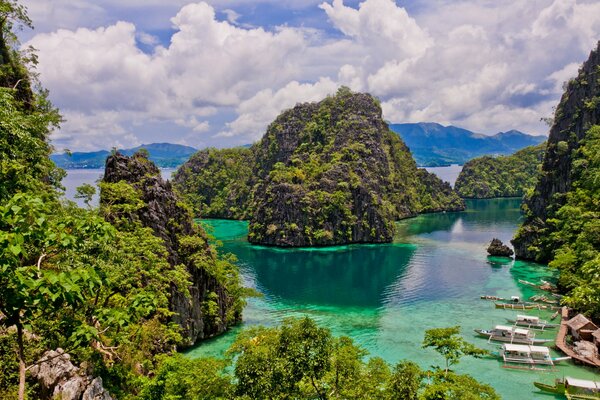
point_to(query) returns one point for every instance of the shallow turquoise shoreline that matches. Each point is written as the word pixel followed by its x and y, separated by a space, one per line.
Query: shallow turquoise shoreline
pixel 386 296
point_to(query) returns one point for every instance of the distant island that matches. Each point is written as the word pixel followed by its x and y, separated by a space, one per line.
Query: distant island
pixel 435 145
pixel 164 155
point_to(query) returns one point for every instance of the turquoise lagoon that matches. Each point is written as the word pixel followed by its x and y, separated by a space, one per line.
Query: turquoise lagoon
pixel 386 296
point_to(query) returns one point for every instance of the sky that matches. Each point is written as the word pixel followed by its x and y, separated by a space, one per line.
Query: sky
pixel 216 73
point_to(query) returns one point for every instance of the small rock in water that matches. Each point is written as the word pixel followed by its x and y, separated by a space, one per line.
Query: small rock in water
pixel 497 248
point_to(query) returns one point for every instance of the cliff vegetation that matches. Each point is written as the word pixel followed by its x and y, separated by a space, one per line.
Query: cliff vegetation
pixel 562 211
pixel 505 176
pixel 324 173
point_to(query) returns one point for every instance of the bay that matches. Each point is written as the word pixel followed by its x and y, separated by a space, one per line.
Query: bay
pixel 386 296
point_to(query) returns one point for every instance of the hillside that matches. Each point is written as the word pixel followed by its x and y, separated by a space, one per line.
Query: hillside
pixel 504 176
pixel 562 213
pixel 324 173
pixel 433 144
pixel 164 155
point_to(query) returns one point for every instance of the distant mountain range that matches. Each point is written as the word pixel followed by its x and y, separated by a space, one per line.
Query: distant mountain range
pixel 433 144
pixel 164 155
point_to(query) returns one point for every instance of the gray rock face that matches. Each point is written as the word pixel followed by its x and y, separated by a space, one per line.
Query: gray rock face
pixel 164 213
pixel 60 379
pixel 577 111
pixel 497 248
pixel 333 173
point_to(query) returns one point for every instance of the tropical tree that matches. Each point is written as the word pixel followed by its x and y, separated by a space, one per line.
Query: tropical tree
pixel 449 343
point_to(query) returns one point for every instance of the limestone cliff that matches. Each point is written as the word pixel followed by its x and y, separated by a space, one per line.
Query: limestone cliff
pixel 332 173
pixel 578 110
pixel 324 173
pixel 170 220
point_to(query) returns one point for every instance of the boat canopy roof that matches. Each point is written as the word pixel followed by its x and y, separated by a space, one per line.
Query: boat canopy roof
pixel 528 318
pixel 503 328
pixel 512 329
pixel 582 383
pixel 525 348
pixel 516 347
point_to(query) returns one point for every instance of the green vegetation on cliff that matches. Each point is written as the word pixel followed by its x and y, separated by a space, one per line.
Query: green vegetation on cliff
pixel 504 176
pixel 216 182
pixel 300 360
pixel 562 212
pixel 323 174
pixel 576 229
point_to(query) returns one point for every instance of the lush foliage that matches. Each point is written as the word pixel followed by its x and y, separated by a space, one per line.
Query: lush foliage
pixel 68 278
pixel 576 227
pixel 508 176
pixel 301 360
pixel 216 182
pixel 449 343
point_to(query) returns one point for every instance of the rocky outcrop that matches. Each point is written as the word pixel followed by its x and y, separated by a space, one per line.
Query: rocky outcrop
pixel 170 220
pixel 333 173
pixel 59 379
pixel 578 110
pixel 505 176
pixel 497 248
pixel 323 174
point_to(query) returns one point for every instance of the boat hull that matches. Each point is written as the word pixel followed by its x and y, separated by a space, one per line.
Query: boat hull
pixel 518 306
pixel 496 338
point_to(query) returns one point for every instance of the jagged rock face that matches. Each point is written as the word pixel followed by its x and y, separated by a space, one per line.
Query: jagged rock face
pixel 497 248
pixel 333 173
pixel 60 379
pixel 170 220
pixel 577 111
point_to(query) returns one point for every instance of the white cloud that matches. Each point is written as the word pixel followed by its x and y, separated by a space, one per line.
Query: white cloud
pixel 261 109
pixel 487 66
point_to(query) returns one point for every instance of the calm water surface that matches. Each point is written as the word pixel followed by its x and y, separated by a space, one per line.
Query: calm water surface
pixel 448 174
pixel 386 296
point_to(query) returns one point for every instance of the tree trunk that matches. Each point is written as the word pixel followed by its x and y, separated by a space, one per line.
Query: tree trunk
pixel 21 354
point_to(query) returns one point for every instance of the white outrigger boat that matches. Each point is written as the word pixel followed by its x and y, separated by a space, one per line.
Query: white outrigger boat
pixel 532 322
pixel 511 334
pixel 530 357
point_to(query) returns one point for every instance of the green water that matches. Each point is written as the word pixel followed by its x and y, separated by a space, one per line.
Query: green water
pixel 386 296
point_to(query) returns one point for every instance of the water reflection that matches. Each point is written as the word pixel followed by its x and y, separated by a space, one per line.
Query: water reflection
pixel 354 276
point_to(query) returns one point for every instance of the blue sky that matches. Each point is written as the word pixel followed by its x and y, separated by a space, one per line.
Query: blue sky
pixel 215 73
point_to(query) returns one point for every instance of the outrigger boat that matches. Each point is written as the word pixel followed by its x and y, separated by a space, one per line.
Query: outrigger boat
pixel 519 306
pixel 543 299
pixel 488 297
pixel 532 322
pixel 511 334
pixel 572 388
pixel 530 357
pixel 516 304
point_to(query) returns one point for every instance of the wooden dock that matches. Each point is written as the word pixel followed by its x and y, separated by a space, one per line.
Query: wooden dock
pixel 561 342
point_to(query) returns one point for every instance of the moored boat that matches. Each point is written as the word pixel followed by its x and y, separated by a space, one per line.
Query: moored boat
pixel 527 356
pixel 488 297
pixel 511 334
pixel 572 388
pixel 532 322
pixel 519 306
